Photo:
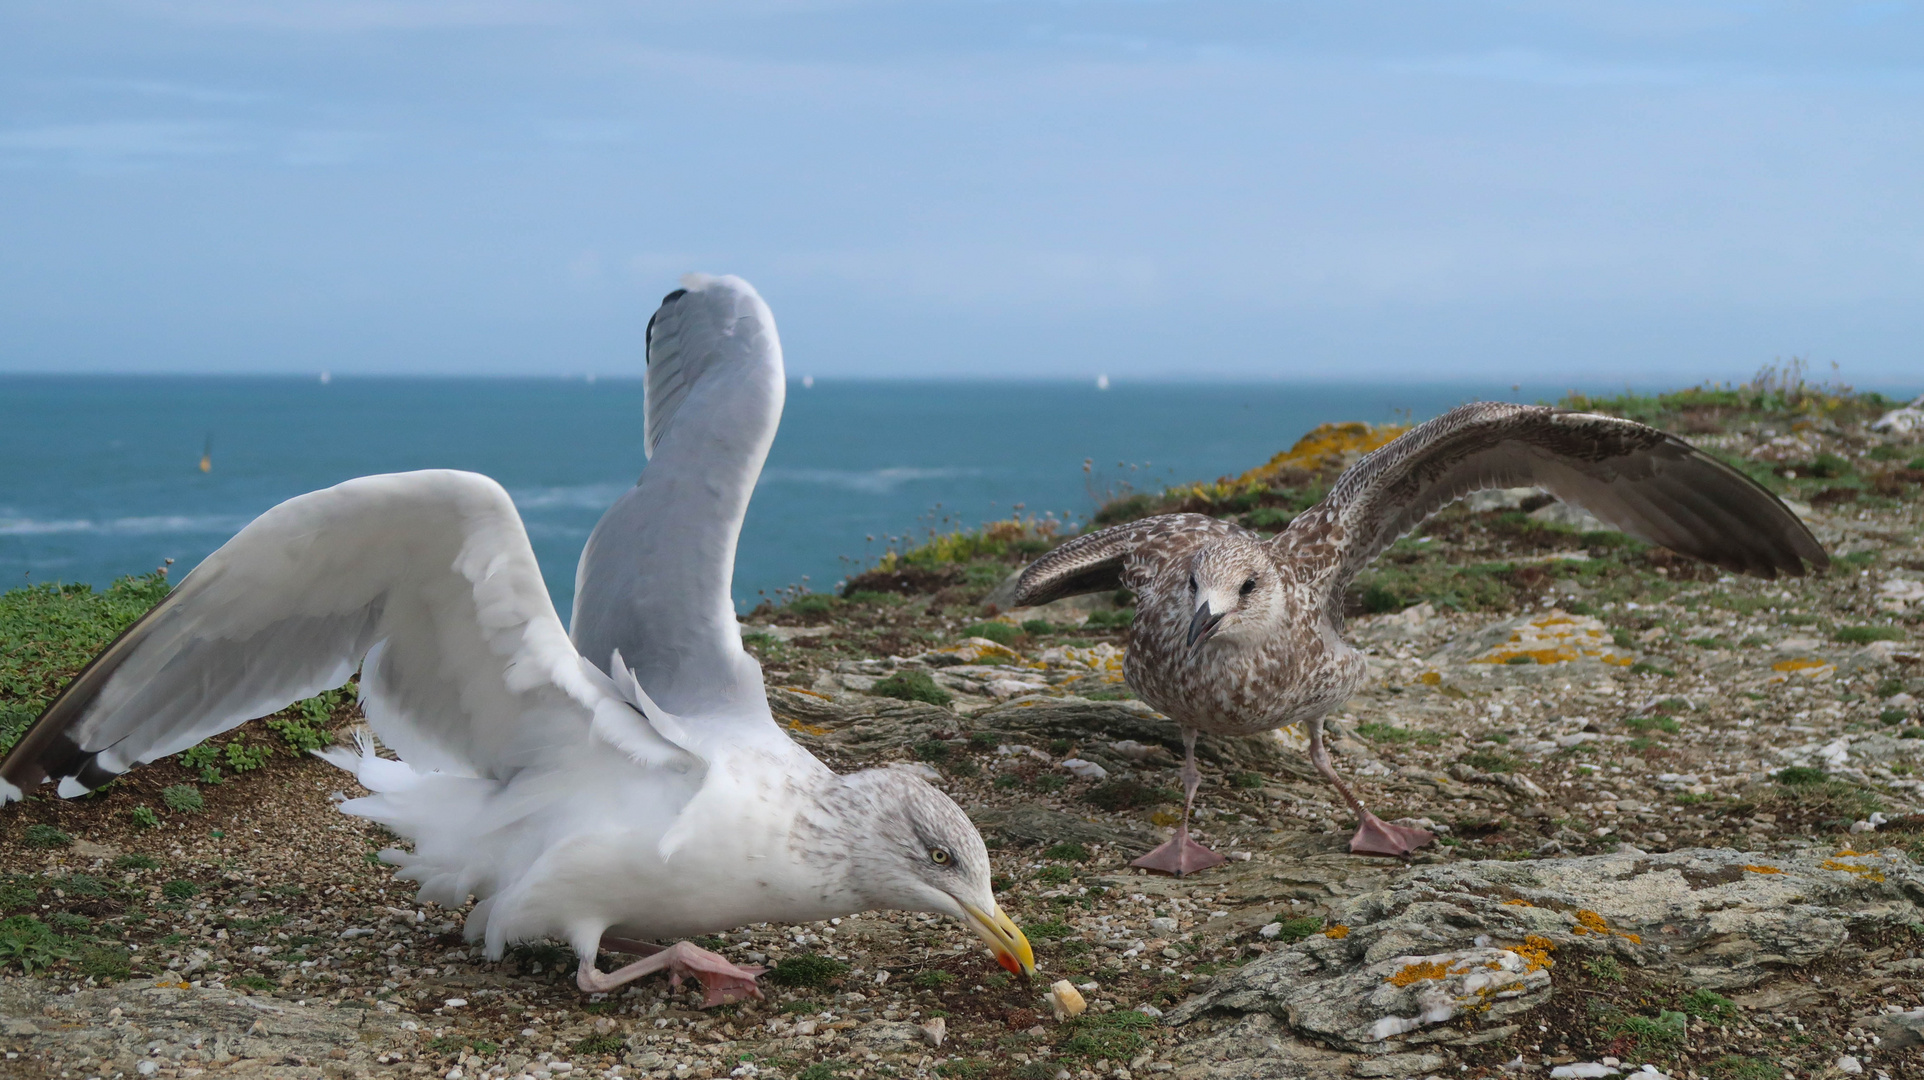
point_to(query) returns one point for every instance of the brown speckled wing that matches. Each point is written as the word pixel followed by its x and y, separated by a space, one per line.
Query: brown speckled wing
pixel 1651 485
pixel 1097 562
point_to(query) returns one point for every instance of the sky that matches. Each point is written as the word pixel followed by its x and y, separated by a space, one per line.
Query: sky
pixel 1588 192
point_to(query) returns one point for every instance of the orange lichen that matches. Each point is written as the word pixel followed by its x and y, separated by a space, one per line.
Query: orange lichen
pixel 1326 445
pixel 1589 922
pixel 1800 664
pixel 1763 870
pixel 1518 903
pixel 1430 678
pixel 1339 931
pixel 1535 952
pixel 1421 970
pixel 1868 873
pixel 807 729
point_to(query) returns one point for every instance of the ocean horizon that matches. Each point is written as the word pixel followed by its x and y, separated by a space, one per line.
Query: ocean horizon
pixel 102 474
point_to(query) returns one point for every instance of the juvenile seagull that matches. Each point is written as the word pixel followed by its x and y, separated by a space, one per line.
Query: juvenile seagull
pixel 1235 634
pixel 537 774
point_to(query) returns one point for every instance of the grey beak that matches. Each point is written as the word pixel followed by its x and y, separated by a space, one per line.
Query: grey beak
pixel 1203 623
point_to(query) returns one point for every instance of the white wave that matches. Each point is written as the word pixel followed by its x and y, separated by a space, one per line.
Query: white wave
pixel 570 497
pixel 177 524
pixel 867 481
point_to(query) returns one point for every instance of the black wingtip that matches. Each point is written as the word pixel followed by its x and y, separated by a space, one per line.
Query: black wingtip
pixel 649 334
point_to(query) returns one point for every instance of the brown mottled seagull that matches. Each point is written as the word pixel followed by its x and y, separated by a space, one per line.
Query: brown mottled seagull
pixel 1236 634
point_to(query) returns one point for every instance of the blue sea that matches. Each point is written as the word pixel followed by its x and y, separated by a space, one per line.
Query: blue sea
pixel 100 476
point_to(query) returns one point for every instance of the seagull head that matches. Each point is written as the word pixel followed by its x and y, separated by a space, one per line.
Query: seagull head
pixel 922 853
pixel 1233 590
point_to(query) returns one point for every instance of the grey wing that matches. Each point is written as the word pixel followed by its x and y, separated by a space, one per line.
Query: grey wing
pixel 1649 484
pixel 1100 561
pixel 426 575
pixel 655 580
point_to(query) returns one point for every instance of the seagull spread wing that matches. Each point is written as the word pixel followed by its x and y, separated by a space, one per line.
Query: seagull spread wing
pixel 1651 485
pixel 426 575
pixel 1099 561
pixel 655 579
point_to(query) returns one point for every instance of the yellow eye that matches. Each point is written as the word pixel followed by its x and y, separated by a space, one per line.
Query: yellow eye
pixel 940 857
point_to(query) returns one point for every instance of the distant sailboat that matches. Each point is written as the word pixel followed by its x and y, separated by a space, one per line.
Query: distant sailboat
pixel 207 456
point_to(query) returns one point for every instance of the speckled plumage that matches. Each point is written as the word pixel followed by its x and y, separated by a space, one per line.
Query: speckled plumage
pixel 1236 634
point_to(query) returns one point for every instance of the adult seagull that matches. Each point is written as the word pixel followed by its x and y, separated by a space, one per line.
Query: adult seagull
pixel 1236 634
pixel 626 785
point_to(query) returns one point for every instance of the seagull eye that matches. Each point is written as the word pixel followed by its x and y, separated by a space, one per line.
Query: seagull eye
pixel 1192 583
pixel 1249 586
pixel 940 856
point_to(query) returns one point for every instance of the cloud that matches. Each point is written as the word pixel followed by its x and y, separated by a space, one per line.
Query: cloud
pixel 120 142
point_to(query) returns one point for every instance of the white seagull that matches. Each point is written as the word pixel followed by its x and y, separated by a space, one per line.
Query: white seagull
pixel 625 785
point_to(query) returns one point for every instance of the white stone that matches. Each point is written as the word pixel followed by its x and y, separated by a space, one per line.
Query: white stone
pixel 1849 1064
pixel 1086 770
pixel 1583 1070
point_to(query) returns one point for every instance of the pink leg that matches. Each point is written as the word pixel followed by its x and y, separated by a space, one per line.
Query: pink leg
pixel 1373 836
pixel 722 981
pixel 1181 855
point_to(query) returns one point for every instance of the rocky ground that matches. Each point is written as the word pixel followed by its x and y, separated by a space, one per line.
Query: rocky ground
pixel 1679 818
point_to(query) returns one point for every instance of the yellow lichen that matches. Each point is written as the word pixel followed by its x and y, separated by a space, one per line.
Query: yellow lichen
pixel 1799 664
pixel 1518 903
pixel 1868 873
pixel 1421 970
pixel 1326 445
pixel 807 729
pixel 1339 931
pixel 1430 678
pixel 1535 952
pixel 1763 870
pixel 1589 922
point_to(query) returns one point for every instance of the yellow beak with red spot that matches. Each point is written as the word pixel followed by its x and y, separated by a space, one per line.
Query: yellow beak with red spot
pixel 1005 939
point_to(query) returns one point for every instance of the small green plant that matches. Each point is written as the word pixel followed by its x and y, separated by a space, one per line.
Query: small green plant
pixel 1489 761
pixel 1893 717
pixel 1048 782
pixel 242 757
pixel 1038 627
pixel 204 760
pixel 1049 930
pixel 308 731
pixel 1666 1029
pixel 1114 1035
pixel 822 1070
pixel 608 1044
pixel 1067 851
pixel 1658 722
pixel 1116 795
pixel 82 885
pixel 806 970
pixel 932 750
pixel 999 632
pixel 143 817
pixel 1604 969
pixel 18 891
pixel 45 836
pixel 67 922
pixel 1055 875
pixel 871 598
pixel 963 1069
pixel 1247 781
pixel 105 963
pixel 254 983
pixel 179 889
pixel 1797 775
pixel 1390 733
pixel 1739 1067
pixel 913 686
pixel 1110 620
pixel 1642 668
pixel 182 799
pixel 813 604
pixel 1864 635
pixel 933 978
pixel 1708 1005
pixel 27 943
pixel 1296 929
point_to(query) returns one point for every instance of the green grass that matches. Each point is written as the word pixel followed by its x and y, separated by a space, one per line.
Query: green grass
pixel 1604 969
pixel 182 799
pixel 912 686
pixel 1390 733
pixel 27 943
pixel 999 632
pixel 806 970
pixel 49 632
pixel 179 889
pixel 1068 851
pixel 608 1044
pixel 45 836
pixel 1740 1067
pixel 1798 775
pixel 1864 635
pixel 1297 929
pixel 933 978
pixel 813 604
pixel 1117 795
pixel 1115 1035
pixel 1110 620
pixel 135 862
pixel 1048 930
pixel 143 817
pixel 1658 722
pixel 1709 1005
pixel 1055 875
pixel 1038 627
